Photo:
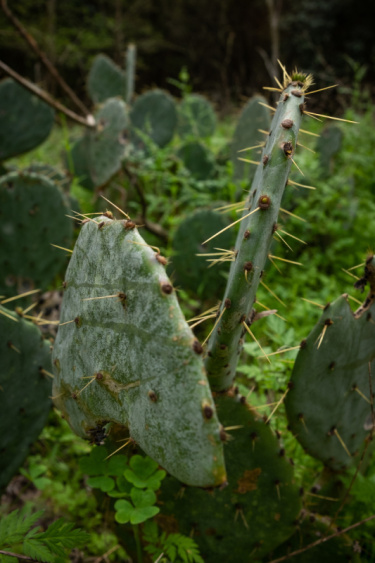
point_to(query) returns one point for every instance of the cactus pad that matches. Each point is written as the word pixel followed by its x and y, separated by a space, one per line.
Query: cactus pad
pixel 105 80
pixel 153 114
pixel 196 117
pixel 329 144
pixel 198 160
pixel 143 365
pixel 33 215
pixel 328 405
pixel 25 390
pixel 256 511
pixel 252 118
pixel 192 271
pixel 26 121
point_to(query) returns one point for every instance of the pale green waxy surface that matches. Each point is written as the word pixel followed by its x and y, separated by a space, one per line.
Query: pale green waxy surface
pixel 25 390
pixel 153 380
pixel 105 79
pixel 324 378
pixel 196 117
pixel 153 114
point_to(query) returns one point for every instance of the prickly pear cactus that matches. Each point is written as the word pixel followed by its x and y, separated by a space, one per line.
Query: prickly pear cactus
pixel 124 354
pixel 329 144
pixel 196 117
pixel 254 117
pixel 25 401
pixel 25 120
pixel 154 115
pixel 33 216
pixel 105 80
pixel 258 225
pixel 97 156
pixel 59 178
pixel 256 511
pixel 328 405
pixel 193 271
pixel 198 160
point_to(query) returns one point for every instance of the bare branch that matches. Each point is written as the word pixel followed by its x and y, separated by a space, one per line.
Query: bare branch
pixel 43 57
pixel 87 122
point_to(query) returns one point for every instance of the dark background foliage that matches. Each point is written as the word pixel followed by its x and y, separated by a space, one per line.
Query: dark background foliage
pixel 228 46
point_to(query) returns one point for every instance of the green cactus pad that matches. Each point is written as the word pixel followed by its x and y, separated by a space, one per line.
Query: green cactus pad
pixel 33 216
pixel 25 390
pixel 252 118
pixel 25 120
pixel 97 156
pixel 153 114
pixel 328 405
pixel 196 117
pixel 143 364
pixel 62 180
pixel 192 271
pixel 256 511
pixel 198 160
pixel 105 80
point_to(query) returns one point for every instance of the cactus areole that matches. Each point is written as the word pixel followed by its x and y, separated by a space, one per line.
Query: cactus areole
pixel 255 235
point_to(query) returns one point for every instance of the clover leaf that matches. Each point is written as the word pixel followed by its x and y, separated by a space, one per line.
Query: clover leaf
pixel 95 463
pixel 142 511
pixel 102 482
pixel 144 473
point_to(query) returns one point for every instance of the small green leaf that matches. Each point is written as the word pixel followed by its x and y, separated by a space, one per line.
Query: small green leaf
pixel 143 467
pixel 42 483
pixel 123 485
pixel 124 511
pixel 117 465
pixel 141 498
pixel 140 515
pixel 103 483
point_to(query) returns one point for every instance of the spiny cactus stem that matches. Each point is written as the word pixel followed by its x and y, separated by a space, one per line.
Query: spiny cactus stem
pixel 254 239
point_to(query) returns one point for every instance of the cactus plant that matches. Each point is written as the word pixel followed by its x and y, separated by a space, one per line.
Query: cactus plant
pixel 33 216
pixel 105 80
pixel 258 224
pixel 153 114
pixel 142 364
pixel 25 402
pixel 196 117
pixel 328 405
pixel 25 120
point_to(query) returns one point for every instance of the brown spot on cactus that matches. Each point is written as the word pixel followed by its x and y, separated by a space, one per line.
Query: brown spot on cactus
pixel 161 259
pixel 287 148
pixel 129 225
pixel 302 108
pixel 207 412
pixel 227 303
pixel 64 284
pixel 286 96
pixel 99 376
pixel 248 481
pixel 297 93
pixel 108 214
pixel 303 344
pixel 265 159
pixel 248 266
pixel 197 347
pixel 166 288
pixel 264 202
pixel 152 396
pixel 287 123
pixel 275 227
pixel 223 435
pixel 78 322
pixel 332 366
pixel 246 235
pixel 101 225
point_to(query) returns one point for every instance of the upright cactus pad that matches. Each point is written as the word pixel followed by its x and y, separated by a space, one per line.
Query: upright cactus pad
pixel 256 511
pixel 254 117
pixel 25 359
pixel 329 144
pixel 105 80
pixel 258 225
pixel 33 216
pixel 196 117
pixel 192 271
pixel 153 114
pixel 128 357
pixel 328 405
pixel 25 120
pixel 197 159
pixel 98 155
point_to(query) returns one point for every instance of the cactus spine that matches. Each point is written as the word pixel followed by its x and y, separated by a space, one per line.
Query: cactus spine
pixel 258 225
